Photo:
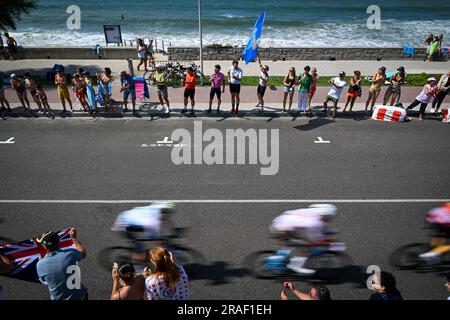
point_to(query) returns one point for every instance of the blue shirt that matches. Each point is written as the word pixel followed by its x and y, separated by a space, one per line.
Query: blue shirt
pixel 53 270
pixel 127 81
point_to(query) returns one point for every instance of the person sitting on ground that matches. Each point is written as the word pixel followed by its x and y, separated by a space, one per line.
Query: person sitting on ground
pixel 43 98
pixel 142 51
pixel 3 101
pixel 165 279
pixel 313 88
pixel 337 85
pixel 128 88
pixel 378 80
pixel 217 80
pixel 12 46
pixel 53 268
pixel 104 87
pixel 19 86
pixel 63 91
pixel 444 88
pixel 127 285
pixel 354 91
pixel 30 84
pixel 385 288
pixel 316 293
pixel 428 92
pixel 394 89
pixel 289 82
pixel 262 86
pixel 79 88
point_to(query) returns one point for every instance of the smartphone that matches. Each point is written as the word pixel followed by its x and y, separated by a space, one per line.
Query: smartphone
pixel 115 265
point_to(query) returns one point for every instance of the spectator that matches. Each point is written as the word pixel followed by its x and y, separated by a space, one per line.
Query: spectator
pixel 3 101
pixel 21 91
pixel 127 285
pixel 189 89
pixel 2 47
pixel 159 77
pixel 394 89
pixel 5 267
pixel 217 80
pixel 166 281
pixel 385 288
pixel 444 87
pixel 434 50
pixel 289 83
pixel 12 46
pixel 150 56
pixel 79 88
pixel 142 54
pixel 313 89
pixel 354 90
pixel 104 88
pixel 30 84
pixel 53 269
pixel 305 81
pixel 235 75
pixel 424 97
pixel 378 80
pixel 262 86
pixel 447 284
pixel 44 100
pixel 63 91
pixel 128 88
pixel 338 83
pixel 316 293
pixel 427 43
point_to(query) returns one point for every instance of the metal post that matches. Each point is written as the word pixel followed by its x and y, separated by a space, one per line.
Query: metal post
pixel 130 67
pixel 200 34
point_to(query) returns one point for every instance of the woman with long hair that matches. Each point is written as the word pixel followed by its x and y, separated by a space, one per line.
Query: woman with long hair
pixel 289 83
pixel 166 280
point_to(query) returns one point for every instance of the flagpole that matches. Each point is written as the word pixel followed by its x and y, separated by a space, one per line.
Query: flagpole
pixel 200 33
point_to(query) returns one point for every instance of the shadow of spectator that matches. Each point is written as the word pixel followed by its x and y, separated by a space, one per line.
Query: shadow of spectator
pixel 314 124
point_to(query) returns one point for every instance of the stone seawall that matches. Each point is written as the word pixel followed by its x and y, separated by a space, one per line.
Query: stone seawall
pixel 286 54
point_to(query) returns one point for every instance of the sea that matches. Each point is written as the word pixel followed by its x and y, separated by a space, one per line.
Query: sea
pixel 289 23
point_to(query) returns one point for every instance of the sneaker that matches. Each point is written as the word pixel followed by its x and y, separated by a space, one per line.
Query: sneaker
pixel 296 264
pixel 184 110
pixel 232 111
pixel 167 110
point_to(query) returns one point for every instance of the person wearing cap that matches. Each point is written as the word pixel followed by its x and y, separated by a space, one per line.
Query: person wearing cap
pixel 337 85
pixel 189 89
pixel 63 92
pixel 378 80
pixel 217 80
pixel 262 86
pixel 394 90
pixel 160 79
pixel 444 88
pixel 128 88
pixel 21 91
pixel 56 268
pixel 126 284
pixel 424 97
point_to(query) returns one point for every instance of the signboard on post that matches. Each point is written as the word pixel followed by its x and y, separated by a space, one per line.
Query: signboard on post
pixel 113 34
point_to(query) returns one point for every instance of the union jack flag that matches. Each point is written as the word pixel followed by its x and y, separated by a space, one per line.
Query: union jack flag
pixel 26 254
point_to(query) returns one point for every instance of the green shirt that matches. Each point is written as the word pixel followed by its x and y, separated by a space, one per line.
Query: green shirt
pixel 160 78
pixel 306 84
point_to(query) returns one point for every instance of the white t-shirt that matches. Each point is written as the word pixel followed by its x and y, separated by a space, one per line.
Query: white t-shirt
pixel 334 91
pixel 308 219
pixel 149 218
pixel 263 79
pixel 237 73
pixel 157 290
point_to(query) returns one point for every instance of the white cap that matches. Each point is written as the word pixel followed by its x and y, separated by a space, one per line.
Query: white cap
pixel 13 76
pixel 432 79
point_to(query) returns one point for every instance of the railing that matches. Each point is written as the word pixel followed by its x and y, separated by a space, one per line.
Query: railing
pixel 157 45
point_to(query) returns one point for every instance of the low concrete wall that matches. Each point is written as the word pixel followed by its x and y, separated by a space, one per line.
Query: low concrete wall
pixel 74 53
pixel 285 54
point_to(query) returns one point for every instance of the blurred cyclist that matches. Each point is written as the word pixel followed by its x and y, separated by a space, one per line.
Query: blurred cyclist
pixel 144 223
pixel 439 218
pixel 304 229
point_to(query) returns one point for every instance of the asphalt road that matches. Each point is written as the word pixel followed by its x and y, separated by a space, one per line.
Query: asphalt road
pixel 104 160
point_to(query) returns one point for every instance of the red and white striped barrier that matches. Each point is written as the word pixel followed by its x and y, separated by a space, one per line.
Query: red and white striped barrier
pixel 391 114
pixel 446 116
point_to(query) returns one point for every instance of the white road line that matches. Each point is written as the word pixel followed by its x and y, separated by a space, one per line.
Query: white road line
pixel 320 140
pixel 9 141
pixel 226 201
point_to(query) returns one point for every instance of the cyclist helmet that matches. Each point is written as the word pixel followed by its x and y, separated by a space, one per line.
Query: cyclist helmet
pixel 440 216
pixel 325 210
pixel 166 207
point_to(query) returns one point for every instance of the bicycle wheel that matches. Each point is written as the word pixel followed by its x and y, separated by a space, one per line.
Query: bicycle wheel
pixel 108 256
pixel 176 81
pixel 256 264
pixel 328 265
pixel 407 257
pixel 200 78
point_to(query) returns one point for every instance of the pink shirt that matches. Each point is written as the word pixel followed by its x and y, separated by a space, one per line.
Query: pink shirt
pixel 217 79
pixel 157 290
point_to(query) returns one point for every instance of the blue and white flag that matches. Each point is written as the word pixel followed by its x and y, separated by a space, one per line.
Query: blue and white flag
pixel 251 50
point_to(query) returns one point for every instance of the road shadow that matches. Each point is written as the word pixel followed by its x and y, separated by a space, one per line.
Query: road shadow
pixel 216 272
pixel 314 123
